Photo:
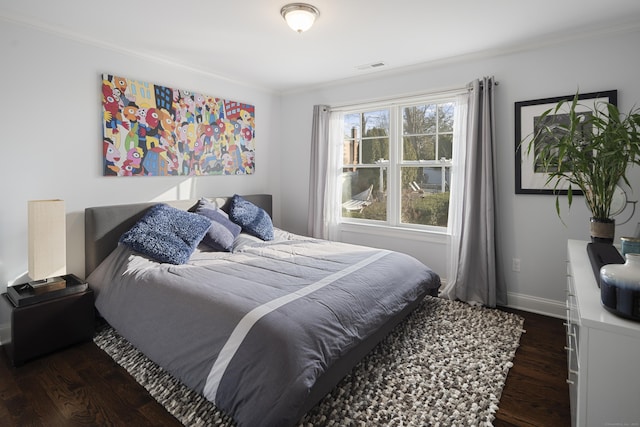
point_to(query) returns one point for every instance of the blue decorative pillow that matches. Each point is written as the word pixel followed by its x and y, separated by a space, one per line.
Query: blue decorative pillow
pixel 223 232
pixel 167 234
pixel 253 219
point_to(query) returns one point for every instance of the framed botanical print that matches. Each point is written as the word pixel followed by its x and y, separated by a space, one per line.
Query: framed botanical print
pixel 530 177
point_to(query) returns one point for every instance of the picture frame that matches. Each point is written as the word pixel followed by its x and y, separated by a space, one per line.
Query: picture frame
pixel 528 180
pixel 155 130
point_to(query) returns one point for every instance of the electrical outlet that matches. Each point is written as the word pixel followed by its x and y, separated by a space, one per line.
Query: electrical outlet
pixel 515 264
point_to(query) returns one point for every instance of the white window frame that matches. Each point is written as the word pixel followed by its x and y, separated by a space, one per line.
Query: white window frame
pixel 394 176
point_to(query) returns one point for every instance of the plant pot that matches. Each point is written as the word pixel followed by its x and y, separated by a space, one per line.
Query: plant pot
pixel 602 230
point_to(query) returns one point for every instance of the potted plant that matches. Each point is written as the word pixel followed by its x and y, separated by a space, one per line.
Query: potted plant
pixel 589 148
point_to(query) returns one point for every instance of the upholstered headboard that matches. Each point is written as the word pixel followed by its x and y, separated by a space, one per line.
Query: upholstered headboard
pixel 103 225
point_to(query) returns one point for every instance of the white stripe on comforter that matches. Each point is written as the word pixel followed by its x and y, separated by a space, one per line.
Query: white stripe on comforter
pixel 246 323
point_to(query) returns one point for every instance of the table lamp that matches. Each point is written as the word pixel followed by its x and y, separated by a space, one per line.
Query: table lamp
pixel 47 244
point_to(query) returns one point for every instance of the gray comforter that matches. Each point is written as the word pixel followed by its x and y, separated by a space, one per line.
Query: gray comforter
pixel 254 329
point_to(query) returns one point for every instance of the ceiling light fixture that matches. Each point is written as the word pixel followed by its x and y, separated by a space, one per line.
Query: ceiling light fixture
pixel 299 16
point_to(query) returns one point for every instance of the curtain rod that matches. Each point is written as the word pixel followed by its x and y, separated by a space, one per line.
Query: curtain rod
pixel 495 83
pixel 385 101
pixel 395 99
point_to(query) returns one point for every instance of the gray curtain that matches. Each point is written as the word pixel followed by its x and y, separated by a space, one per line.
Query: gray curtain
pixel 318 171
pixel 477 280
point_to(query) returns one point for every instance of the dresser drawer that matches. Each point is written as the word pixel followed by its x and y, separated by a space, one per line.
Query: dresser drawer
pixel 572 324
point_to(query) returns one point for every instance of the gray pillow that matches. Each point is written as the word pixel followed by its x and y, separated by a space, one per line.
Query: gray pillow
pixel 223 231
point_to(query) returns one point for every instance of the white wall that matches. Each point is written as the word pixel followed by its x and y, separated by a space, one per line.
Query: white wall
pixel 51 143
pixel 529 227
pixel 52 137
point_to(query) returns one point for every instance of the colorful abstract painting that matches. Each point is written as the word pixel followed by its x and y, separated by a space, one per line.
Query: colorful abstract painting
pixel 152 130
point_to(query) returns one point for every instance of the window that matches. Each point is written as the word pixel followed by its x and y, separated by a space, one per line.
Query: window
pixel 396 163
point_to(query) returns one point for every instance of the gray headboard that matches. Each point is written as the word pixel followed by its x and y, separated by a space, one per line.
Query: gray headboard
pixel 103 225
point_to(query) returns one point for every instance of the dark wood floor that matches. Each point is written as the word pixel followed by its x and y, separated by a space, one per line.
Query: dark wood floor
pixel 83 386
pixel 536 392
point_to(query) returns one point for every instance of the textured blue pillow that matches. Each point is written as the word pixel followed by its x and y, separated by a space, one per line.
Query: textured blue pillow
pixel 167 234
pixel 253 219
pixel 223 231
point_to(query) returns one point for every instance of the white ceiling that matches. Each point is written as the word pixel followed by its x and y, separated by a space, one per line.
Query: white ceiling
pixel 249 42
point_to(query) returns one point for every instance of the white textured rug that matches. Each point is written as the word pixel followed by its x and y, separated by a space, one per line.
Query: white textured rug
pixel 445 365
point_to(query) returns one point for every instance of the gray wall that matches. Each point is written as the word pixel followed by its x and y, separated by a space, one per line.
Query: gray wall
pixel 52 133
pixel 529 227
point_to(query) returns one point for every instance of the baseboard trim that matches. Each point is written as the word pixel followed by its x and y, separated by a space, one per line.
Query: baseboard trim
pixel 547 307
pixel 537 305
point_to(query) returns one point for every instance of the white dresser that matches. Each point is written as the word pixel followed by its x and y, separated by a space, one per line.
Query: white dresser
pixel 603 352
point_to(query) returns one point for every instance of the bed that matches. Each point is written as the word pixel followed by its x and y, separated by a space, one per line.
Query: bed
pixel 263 330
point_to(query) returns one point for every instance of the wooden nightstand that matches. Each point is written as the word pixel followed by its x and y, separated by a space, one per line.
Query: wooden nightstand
pixel 45 326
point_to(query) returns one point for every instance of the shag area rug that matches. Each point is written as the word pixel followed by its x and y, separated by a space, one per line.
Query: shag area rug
pixel 445 365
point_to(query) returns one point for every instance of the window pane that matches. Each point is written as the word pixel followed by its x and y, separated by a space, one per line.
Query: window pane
pixel 423 139
pixel 375 149
pixel 423 202
pixel 350 152
pixel 436 179
pixel 419 119
pixel 363 193
pixel 445 146
pixel 376 123
pixel 351 124
pixel 445 117
pixel 419 148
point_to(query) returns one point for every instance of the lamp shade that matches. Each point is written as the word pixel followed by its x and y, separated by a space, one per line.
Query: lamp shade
pixel 47 239
pixel 299 16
